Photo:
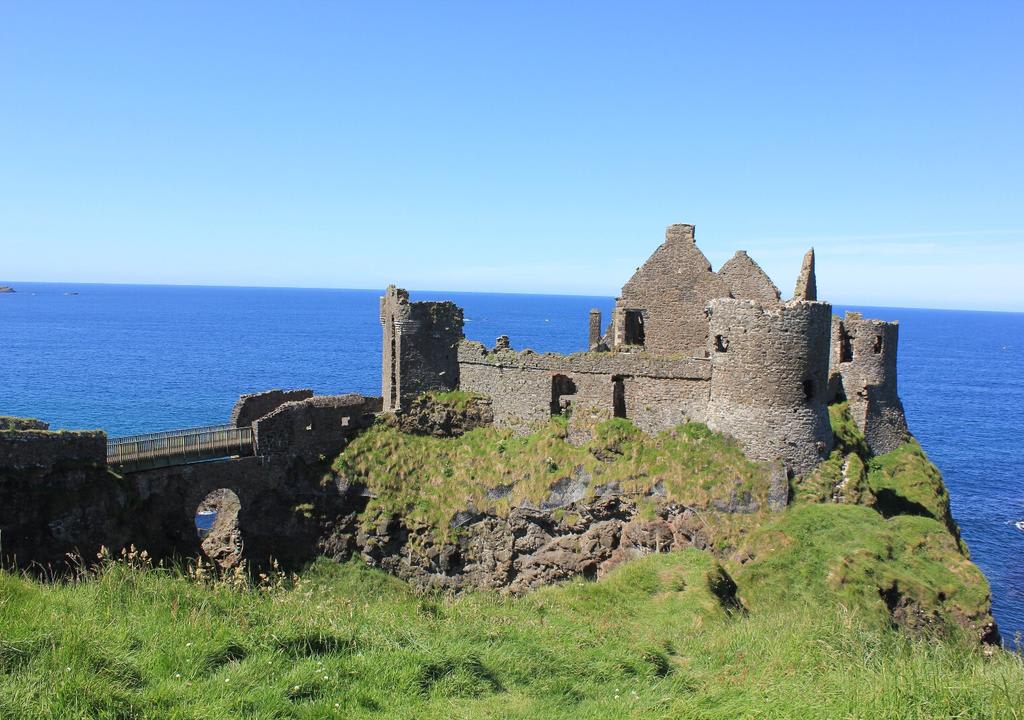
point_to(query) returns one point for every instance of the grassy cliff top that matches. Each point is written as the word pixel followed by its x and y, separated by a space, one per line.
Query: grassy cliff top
pixel 652 640
pixel 428 480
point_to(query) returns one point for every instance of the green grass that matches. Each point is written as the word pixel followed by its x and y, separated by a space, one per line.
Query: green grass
pixel 906 482
pixel 427 480
pixel 809 632
pixel 902 482
pixel 458 400
pixel 649 641
pixel 850 554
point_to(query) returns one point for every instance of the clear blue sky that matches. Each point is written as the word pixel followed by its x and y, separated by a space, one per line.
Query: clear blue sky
pixel 524 146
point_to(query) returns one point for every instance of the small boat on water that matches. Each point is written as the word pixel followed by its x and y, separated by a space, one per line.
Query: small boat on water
pixel 1019 525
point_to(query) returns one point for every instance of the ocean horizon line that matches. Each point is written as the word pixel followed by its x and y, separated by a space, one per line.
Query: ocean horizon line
pixel 842 303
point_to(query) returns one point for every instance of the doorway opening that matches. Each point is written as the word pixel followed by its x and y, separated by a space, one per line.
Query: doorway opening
pixel 216 521
pixel 563 390
pixel 619 396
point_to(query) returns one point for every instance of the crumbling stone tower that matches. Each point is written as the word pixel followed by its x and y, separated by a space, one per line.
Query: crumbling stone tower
pixel 420 347
pixel 863 367
pixel 769 379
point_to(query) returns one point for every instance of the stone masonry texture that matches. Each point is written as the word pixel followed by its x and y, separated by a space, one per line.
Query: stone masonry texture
pixel 250 408
pixel 671 290
pixel 769 379
pixel 747 281
pixel 420 343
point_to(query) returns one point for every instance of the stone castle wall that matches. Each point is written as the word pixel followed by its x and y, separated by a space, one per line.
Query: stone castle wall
pixel 42 449
pixel 420 345
pixel 57 495
pixel 656 392
pixel 17 423
pixel 863 358
pixel 315 427
pixel 250 408
pixel 769 379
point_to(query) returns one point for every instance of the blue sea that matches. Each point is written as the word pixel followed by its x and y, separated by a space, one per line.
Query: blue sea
pixel 133 359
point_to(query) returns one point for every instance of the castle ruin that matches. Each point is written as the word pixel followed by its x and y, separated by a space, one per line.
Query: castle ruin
pixel 684 344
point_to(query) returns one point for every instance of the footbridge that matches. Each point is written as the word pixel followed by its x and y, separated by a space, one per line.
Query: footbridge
pixel 265 425
pixel 179 447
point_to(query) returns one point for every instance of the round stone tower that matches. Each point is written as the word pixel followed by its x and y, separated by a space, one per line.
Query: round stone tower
pixel 769 377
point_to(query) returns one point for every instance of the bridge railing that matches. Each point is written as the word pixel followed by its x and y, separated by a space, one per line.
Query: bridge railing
pixel 177 447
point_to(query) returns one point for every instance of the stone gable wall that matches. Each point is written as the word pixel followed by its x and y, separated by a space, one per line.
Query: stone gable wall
pixel 672 289
pixel 769 379
pixel 747 281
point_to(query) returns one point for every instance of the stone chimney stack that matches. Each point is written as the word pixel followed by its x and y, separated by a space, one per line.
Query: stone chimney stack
pixel 594 336
pixel 806 284
pixel 680 233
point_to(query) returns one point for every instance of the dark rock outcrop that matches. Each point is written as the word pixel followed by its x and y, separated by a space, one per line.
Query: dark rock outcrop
pixel 526 549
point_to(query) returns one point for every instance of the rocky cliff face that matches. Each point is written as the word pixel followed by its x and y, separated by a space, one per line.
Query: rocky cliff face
pixel 529 547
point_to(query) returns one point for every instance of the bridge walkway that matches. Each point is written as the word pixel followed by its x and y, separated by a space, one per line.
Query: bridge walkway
pixel 178 447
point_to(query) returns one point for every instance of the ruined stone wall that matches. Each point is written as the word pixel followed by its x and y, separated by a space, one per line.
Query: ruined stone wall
pixel 520 396
pixel 18 423
pixel 658 403
pixel 42 449
pixel 658 392
pixel 420 347
pixel 254 406
pixel 769 379
pixel 315 427
pixel 58 497
pixel 426 415
pixel 864 360
pixel 806 282
pixel 747 281
pixel 672 289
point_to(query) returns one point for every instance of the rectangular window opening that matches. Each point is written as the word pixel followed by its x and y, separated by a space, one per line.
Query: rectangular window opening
pixel 634 327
